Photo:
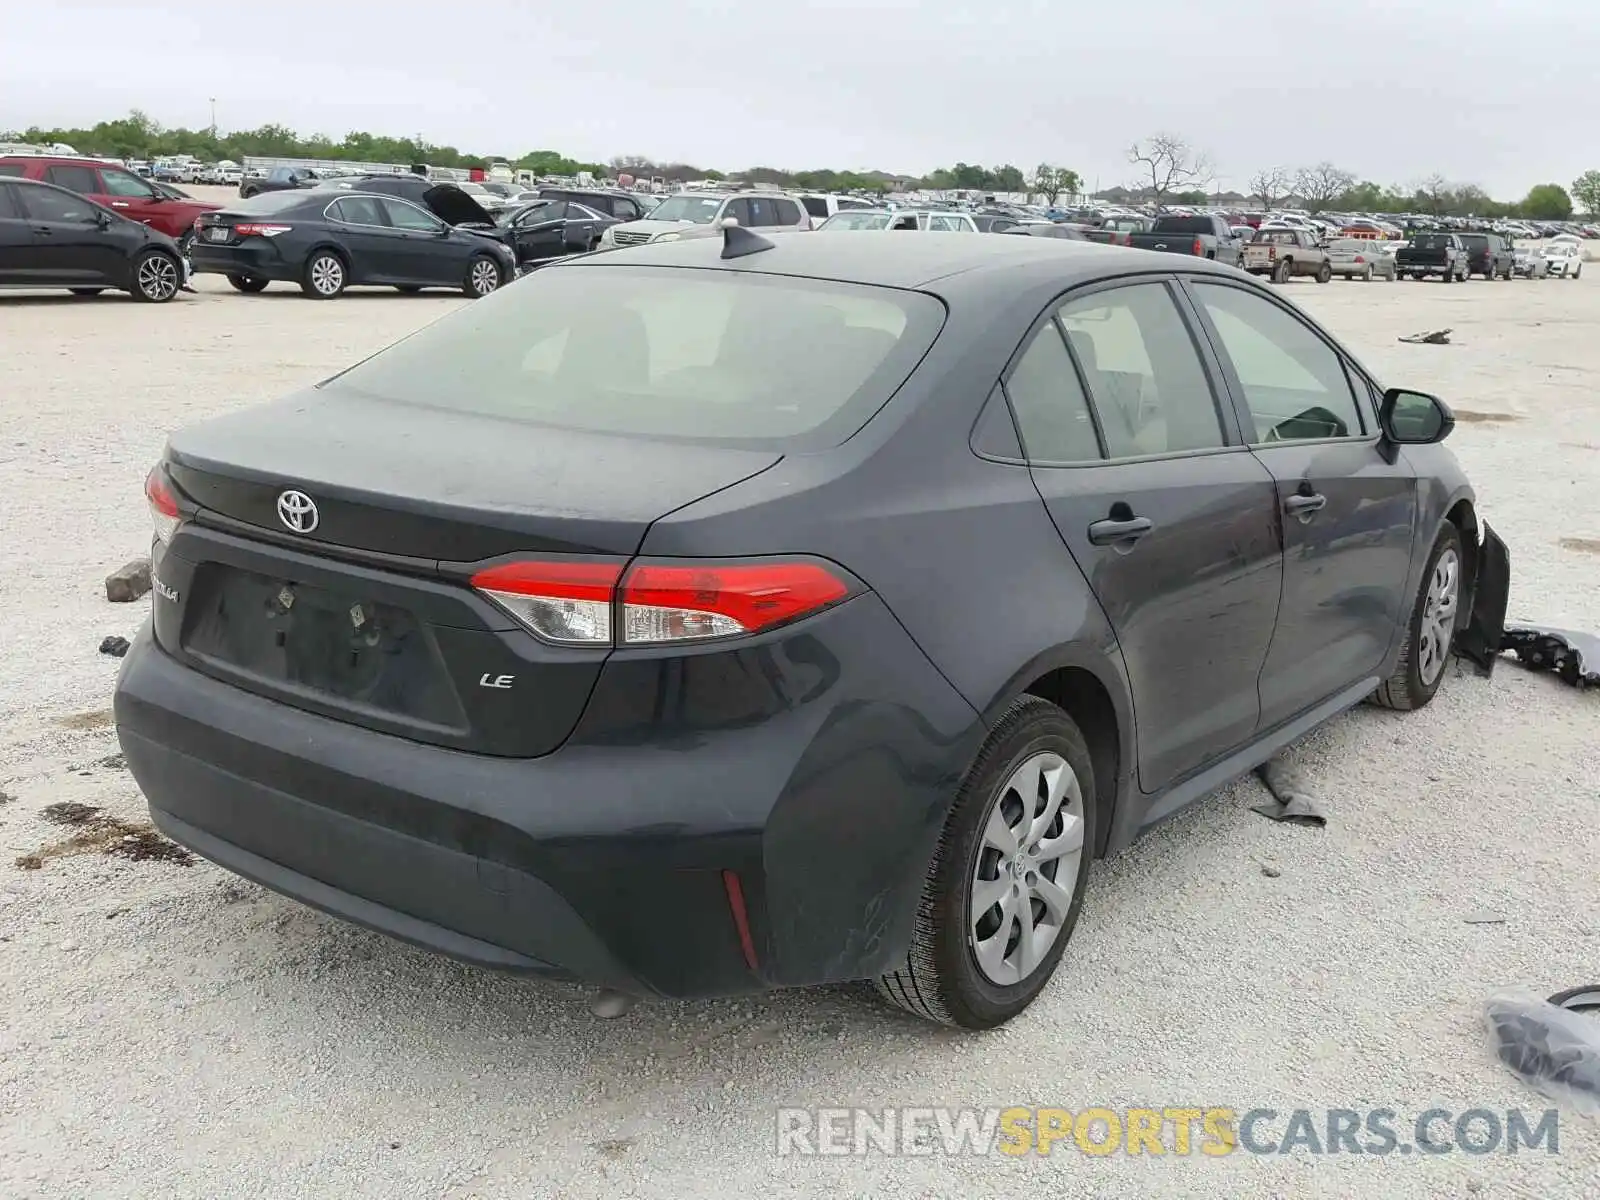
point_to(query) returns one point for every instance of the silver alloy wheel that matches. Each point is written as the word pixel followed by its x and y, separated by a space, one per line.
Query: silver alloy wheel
pixel 1027 868
pixel 1439 617
pixel 485 276
pixel 327 275
pixel 158 277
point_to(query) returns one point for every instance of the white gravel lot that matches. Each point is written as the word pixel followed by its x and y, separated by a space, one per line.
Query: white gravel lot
pixel 171 1032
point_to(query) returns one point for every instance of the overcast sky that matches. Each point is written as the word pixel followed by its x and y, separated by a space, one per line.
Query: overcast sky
pixel 1482 91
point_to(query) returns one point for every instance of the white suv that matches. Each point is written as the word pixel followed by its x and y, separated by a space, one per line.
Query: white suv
pixel 687 210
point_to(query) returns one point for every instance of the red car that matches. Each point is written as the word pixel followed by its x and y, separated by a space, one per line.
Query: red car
pixel 117 189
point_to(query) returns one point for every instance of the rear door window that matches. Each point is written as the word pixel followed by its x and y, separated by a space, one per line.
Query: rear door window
pixel 788 211
pixel 1051 410
pixel 1143 371
pixel 762 211
pixel 359 210
pixel 83 180
pixel 816 207
pixel 51 205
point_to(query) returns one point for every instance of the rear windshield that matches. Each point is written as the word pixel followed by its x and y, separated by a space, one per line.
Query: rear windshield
pixel 1474 241
pixel 1430 241
pixel 1185 225
pixel 722 357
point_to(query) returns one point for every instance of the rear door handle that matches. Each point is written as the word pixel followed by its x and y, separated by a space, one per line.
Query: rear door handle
pixel 43 230
pixel 1109 532
pixel 1302 505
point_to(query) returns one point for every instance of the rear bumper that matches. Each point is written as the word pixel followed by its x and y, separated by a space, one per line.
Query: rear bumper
pixel 816 768
pixel 262 261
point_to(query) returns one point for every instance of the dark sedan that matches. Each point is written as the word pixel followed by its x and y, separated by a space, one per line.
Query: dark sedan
pixel 327 240
pixel 547 229
pixel 53 238
pixel 596 631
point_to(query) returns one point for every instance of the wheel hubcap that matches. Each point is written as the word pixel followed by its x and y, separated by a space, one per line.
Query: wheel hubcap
pixel 485 278
pixel 1027 869
pixel 158 277
pixel 327 275
pixel 1439 617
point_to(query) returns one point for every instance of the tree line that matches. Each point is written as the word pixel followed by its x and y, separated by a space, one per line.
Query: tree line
pixel 1167 169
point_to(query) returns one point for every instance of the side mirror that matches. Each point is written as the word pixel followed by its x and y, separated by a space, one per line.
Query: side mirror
pixel 1414 418
pixel 442 231
pixel 103 220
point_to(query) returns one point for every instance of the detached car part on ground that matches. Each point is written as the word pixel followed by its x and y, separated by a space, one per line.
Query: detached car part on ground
pixel 594 631
pixel 53 238
pixel 326 240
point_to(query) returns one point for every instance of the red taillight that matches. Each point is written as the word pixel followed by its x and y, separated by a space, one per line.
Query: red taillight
pixel 164 513
pixel 1199 248
pixel 572 603
pixel 1359 259
pixel 255 229
pixel 671 603
pixel 566 602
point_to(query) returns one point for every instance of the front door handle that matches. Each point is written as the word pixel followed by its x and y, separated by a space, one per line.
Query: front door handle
pixel 43 230
pixel 1109 532
pixel 1303 505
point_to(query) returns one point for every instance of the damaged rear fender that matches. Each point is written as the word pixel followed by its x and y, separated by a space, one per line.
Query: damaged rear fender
pixel 1480 639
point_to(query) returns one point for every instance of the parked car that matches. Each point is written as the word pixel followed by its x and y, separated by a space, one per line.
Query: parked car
pixel 327 240
pixel 420 633
pixel 1488 254
pixel 1436 253
pixel 1201 236
pixel 1054 229
pixel 673 215
pixel 1359 258
pixel 445 200
pixel 616 204
pixel 820 206
pixel 1284 252
pixel 549 229
pixel 1563 259
pixel 1529 263
pixel 120 190
pixel 997 222
pixel 54 238
pixel 904 219
pixel 279 179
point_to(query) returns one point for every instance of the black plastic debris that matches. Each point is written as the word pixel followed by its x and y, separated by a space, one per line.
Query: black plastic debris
pixel 1484 637
pixel 1428 337
pixel 1574 657
pixel 116 647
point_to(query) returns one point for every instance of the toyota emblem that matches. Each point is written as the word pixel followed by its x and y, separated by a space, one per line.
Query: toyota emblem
pixel 297 511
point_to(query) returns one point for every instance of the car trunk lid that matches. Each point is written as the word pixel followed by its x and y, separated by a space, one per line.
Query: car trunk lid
pixel 359 607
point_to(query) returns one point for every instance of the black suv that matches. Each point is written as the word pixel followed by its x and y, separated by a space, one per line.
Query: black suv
pixel 607 203
pixel 1489 255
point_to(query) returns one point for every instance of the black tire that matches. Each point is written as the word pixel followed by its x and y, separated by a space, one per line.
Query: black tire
pixel 1282 272
pixel 248 284
pixel 1324 273
pixel 478 281
pixel 86 291
pixel 1406 689
pixel 1366 276
pixel 326 275
pixel 156 277
pixel 940 979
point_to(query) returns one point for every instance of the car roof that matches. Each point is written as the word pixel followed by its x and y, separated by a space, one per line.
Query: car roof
pixel 958 264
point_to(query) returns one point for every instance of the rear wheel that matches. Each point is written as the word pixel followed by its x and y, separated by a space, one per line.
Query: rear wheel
pixel 1005 886
pixel 1324 273
pixel 325 276
pixel 1431 631
pixel 156 277
pixel 247 283
pixel 1281 272
pixel 483 276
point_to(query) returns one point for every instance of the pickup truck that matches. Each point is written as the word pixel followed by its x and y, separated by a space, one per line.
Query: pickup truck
pixel 1441 254
pixel 1117 231
pixel 1285 253
pixel 1203 237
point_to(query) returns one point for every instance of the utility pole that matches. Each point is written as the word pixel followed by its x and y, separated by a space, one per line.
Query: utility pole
pixel 213 116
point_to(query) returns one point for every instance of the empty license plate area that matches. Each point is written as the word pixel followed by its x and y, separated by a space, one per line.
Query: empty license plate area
pixel 335 644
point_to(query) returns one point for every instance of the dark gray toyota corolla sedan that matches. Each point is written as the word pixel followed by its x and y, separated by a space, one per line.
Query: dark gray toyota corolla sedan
pixel 754 612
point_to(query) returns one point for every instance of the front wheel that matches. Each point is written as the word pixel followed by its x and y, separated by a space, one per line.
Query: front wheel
pixel 156 277
pixel 483 277
pixel 1366 276
pixel 1006 883
pixel 1431 630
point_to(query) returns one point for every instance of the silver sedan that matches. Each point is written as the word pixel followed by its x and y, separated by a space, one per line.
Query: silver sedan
pixel 1360 258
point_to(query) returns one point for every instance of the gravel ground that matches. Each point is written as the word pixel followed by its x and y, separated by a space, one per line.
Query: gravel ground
pixel 170 1031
